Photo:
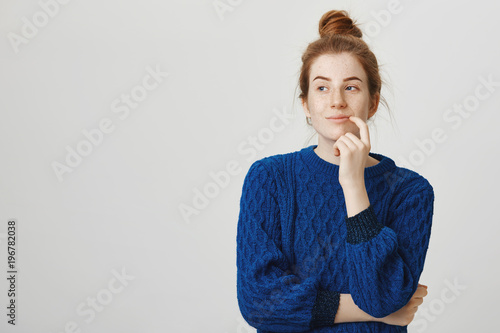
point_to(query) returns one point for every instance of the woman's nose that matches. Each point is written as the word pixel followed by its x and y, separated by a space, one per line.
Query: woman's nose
pixel 338 100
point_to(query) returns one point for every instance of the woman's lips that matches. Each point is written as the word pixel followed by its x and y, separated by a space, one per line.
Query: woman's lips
pixel 338 120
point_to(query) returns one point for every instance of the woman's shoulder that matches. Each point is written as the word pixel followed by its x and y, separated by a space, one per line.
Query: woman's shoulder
pixel 398 177
pixel 274 163
pixel 405 180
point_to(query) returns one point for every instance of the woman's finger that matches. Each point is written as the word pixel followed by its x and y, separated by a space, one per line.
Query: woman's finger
pixel 339 147
pixel 348 142
pixel 363 129
pixel 359 144
pixel 420 292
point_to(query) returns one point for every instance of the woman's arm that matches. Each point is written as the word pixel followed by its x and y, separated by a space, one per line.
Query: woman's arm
pixel 270 296
pixel 385 260
pixel 348 311
pixel 356 198
pixel 385 253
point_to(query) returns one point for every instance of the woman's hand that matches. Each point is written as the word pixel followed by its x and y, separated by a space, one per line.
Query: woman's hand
pixel 353 153
pixel 405 315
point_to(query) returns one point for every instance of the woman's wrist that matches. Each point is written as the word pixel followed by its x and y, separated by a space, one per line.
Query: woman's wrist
pixel 356 198
pixel 353 185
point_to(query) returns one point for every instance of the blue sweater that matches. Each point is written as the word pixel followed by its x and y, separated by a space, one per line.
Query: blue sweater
pixel 297 250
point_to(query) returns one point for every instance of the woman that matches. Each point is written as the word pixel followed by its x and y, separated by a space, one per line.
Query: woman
pixel 333 237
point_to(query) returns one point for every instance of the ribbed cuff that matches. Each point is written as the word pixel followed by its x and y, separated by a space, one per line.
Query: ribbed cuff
pixel 325 308
pixel 362 226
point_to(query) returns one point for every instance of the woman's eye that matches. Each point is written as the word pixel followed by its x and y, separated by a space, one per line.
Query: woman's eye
pixel 321 87
pixel 351 87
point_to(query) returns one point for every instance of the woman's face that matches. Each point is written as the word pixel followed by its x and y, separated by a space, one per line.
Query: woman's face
pixel 338 87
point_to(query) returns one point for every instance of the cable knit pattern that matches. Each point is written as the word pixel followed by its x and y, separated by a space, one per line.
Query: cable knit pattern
pixel 297 250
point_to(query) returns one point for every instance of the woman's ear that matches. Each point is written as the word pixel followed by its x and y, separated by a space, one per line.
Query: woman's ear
pixel 374 105
pixel 304 106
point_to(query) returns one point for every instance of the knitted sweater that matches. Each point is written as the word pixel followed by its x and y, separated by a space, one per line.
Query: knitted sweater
pixel 297 250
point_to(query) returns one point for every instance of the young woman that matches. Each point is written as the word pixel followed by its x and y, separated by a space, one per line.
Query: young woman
pixel 333 237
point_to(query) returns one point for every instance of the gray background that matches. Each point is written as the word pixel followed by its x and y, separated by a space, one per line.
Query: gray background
pixel 229 74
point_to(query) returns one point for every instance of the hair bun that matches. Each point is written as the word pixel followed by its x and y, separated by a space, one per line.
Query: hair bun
pixel 338 22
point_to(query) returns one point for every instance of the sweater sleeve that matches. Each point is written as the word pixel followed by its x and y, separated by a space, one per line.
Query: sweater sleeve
pixel 386 259
pixel 270 297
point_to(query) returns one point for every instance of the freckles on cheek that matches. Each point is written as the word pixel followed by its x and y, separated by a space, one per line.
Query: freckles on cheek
pixel 359 106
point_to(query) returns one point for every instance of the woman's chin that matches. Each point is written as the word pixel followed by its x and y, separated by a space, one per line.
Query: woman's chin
pixel 332 137
pixel 335 135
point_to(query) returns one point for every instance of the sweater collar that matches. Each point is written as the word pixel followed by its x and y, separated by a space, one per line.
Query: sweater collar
pixel 317 163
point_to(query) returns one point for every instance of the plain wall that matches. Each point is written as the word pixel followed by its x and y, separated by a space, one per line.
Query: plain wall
pixel 224 69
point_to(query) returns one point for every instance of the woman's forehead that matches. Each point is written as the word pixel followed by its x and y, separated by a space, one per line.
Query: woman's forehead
pixel 337 67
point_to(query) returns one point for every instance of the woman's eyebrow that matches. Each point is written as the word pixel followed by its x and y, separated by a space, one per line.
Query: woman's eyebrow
pixel 346 79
